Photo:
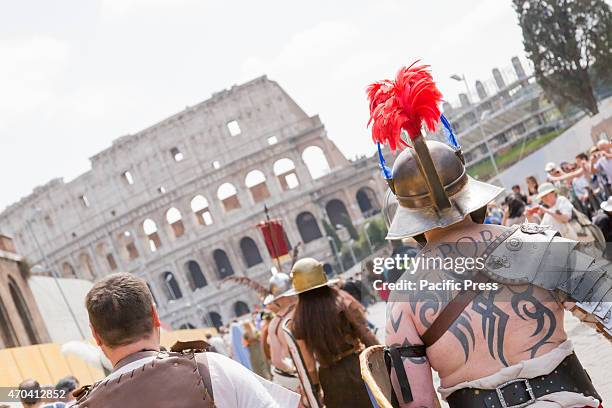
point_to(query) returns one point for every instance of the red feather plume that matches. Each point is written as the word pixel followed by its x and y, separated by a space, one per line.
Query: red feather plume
pixel 405 103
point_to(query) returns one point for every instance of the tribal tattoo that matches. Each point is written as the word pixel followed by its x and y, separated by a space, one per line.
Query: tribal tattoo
pixel 521 302
pixel 493 323
pixel 395 325
pixel 425 305
pixel 461 329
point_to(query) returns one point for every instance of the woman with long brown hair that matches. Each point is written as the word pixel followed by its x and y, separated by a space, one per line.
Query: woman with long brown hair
pixel 331 329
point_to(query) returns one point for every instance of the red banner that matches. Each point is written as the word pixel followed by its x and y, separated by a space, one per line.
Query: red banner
pixel 274 236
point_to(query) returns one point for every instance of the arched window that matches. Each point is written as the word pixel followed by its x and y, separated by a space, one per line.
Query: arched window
pixel 315 160
pixel 103 253
pixel 86 266
pixel 23 311
pixel 339 216
pixel 308 227
pixel 68 270
pixel 222 262
pixel 284 170
pixel 215 319
pixel 228 195
pixel 199 206
pixel 367 202
pixel 250 252
pixel 241 308
pixel 7 331
pixel 150 229
pixel 173 290
pixel 328 269
pixel 127 245
pixel 255 181
pixel 196 277
pixel 176 154
pixel 175 219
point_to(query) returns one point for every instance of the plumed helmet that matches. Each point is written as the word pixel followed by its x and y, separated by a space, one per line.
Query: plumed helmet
pixel 424 204
pixel 428 180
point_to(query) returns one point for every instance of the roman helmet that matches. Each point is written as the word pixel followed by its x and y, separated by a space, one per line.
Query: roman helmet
pixel 308 274
pixel 428 184
pixel 279 283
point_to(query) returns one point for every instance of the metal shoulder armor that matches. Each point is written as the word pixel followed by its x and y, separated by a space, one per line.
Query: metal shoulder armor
pixel 535 255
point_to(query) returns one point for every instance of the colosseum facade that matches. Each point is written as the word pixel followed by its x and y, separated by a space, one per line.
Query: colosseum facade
pixel 178 202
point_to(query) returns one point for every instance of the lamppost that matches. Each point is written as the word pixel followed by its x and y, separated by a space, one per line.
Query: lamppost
pixel 461 78
pixel 335 248
pixel 351 241
pixel 54 274
pixel 367 236
pixel 167 279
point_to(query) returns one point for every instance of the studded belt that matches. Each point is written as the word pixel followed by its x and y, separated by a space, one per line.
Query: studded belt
pixel 522 392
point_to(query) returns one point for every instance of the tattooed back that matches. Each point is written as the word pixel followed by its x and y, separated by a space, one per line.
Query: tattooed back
pixel 500 327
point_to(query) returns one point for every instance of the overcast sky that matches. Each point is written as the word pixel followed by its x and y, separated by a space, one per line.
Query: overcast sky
pixel 74 75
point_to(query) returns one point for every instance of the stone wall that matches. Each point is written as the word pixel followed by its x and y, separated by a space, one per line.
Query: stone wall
pixel 20 320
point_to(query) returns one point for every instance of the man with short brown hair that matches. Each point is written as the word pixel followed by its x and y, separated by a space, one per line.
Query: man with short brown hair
pixel 125 325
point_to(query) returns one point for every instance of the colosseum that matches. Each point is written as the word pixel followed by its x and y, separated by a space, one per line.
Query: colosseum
pixel 178 202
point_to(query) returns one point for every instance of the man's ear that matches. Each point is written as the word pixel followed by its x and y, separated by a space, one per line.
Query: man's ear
pixel 96 336
pixel 156 322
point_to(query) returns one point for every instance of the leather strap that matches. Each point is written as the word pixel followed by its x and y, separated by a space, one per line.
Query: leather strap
pixel 456 306
pixel 393 359
pixel 402 378
pixel 204 370
pixel 451 312
pixel 196 346
pixel 282 316
pixel 567 376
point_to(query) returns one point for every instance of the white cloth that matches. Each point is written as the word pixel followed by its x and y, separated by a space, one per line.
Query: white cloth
pixel 234 386
pixel 291 383
pixel 219 345
pixel 532 368
pixel 566 208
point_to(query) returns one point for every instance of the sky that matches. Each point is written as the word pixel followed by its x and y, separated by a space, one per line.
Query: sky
pixel 77 74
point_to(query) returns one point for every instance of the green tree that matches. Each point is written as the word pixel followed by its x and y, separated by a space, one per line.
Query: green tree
pixel 346 221
pixel 331 232
pixel 569 43
pixel 377 231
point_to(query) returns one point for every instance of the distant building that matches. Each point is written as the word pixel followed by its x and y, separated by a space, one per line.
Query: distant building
pixel 20 321
pixel 507 109
pixel 178 202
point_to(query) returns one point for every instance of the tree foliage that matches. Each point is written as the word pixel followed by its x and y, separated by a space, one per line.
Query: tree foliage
pixel 331 232
pixel 569 43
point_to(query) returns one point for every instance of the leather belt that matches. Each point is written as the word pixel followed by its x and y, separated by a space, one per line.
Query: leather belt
pixel 522 392
pixel 339 357
pixel 283 373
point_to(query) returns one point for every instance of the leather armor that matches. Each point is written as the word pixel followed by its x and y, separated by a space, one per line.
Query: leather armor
pixel 166 379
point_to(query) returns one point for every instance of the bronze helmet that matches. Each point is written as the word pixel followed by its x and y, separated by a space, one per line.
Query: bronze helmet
pixel 432 190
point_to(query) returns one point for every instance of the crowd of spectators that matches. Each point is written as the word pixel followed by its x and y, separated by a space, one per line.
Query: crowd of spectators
pixel 574 199
pixel 34 395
